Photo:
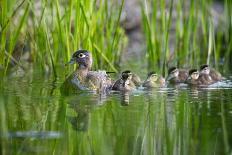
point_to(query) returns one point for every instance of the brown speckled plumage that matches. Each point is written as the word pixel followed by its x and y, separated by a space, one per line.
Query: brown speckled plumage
pixel 85 79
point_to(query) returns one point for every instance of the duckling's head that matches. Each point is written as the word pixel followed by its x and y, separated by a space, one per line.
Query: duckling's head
pixel 173 72
pixel 152 76
pixel 127 75
pixel 194 74
pixel 83 58
pixel 204 69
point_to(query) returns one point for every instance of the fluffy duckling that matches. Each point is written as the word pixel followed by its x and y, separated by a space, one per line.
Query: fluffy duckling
pixel 154 80
pixel 195 78
pixel 136 80
pixel 176 76
pixel 85 79
pixel 125 82
pixel 213 75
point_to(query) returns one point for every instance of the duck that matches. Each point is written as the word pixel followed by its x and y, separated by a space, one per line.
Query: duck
pixel 83 78
pixel 136 80
pixel 125 82
pixel 154 80
pixel 176 76
pixel 213 74
pixel 195 78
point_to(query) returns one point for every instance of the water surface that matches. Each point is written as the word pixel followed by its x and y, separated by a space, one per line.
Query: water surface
pixel 36 119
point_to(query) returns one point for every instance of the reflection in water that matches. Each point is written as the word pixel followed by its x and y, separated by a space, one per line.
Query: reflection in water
pixel 125 98
pixel 172 120
pixel 80 121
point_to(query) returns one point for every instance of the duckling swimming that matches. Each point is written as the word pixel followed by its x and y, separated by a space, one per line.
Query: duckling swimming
pixel 213 75
pixel 176 76
pixel 136 80
pixel 154 80
pixel 85 79
pixel 125 82
pixel 195 78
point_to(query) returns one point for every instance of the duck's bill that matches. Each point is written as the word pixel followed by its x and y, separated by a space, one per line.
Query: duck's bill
pixel 72 61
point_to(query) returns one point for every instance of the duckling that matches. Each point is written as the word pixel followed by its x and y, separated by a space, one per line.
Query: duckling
pixel 154 80
pixel 125 82
pixel 176 76
pixel 195 78
pixel 136 80
pixel 85 79
pixel 214 75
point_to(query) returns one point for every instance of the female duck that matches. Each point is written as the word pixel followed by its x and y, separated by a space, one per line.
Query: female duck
pixel 85 79
pixel 212 74
pixel 154 80
pixel 195 78
pixel 125 83
pixel 176 76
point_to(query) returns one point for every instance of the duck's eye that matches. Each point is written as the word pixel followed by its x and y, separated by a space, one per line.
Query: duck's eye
pixel 174 71
pixel 81 55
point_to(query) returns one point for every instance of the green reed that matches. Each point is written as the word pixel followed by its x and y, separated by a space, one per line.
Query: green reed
pixel 196 40
pixel 58 28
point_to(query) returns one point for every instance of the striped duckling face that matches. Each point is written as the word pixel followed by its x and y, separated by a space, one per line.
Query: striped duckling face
pixel 83 58
pixel 153 77
pixel 173 72
pixel 205 69
pixel 194 74
pixel 126 75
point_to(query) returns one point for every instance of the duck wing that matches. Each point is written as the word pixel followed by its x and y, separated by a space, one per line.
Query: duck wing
pixel 98 80
pixel 183 75
pixel 216 76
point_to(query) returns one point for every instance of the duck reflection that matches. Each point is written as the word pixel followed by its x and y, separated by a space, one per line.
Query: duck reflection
pixel 80 122
pixel 83 104
pixel 194 92
pixel 125 98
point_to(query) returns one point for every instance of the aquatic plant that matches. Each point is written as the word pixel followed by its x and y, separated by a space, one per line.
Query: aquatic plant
pixel 53 30
pixel 197 41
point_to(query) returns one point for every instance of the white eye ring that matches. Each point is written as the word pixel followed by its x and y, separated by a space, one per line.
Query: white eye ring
pixel 174 71
pixel 81 55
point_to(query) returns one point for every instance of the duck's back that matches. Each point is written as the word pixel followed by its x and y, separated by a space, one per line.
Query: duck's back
pixel 183 75
pixel 117 85
pixel 205 79
pixel 98 80
pixel 136 80
pixel 216 76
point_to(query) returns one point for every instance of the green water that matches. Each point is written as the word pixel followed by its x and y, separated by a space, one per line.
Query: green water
pixel 36 119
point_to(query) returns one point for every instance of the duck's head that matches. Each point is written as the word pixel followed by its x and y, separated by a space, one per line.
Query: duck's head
pixel 194 74
pixel 173 72
pixel 83 58
pixel 205 69
pixel 152 76
pixel 127 75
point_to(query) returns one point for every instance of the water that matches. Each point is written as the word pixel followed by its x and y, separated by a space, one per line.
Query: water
pixel 36 119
